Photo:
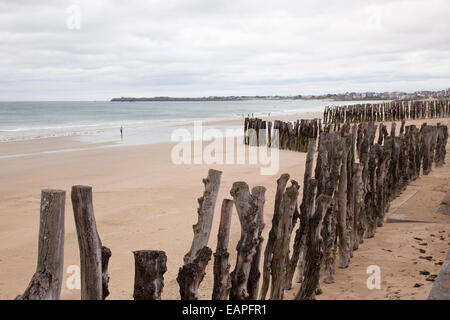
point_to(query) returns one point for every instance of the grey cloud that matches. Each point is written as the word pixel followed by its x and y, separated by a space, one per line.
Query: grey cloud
pixel 200 47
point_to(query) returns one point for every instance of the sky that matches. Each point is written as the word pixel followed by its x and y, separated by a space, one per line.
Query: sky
pixel 97 50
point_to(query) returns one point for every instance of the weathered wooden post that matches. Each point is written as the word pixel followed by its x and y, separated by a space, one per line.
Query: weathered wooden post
pixel 246 123
pixel 205 211
pixel 313 250
pixel 89 243
pixel 442 137
pixel 258 193
pixel 268 252
pixel 334 147
pixel 106 255
pixel 247 209
pixel 350 201
pixel 196 260
pixel 393 126
pixel 382 159
pixel 191 275
pixel 427 151
pixel 275 137
pixel 281 248
pixel 370 198
pixel 269 134
pixel 262 134
pixel 342 234
pixel 252 133
pixel 305 207
pixel 150 266
pixel 222 280
pixel 46 282
pixel 382 133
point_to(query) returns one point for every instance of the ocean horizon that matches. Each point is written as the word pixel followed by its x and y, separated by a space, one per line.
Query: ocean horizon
pixel 146 122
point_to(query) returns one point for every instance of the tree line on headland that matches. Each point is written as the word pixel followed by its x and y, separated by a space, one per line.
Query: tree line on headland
pixel 348 96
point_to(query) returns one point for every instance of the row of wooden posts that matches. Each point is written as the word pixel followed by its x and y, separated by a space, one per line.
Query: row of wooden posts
pixel 283 135
pixel 387 111
pixel 342 204
pixel 355 196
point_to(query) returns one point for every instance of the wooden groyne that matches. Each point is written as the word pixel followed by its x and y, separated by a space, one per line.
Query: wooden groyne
pixel 280 134
pixel 344 201
pixel 387 111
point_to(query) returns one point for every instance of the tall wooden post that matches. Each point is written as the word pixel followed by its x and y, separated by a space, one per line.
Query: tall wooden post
pixel 89 243
pixel 314 251
pixel 247 209
pixel 258 194
pixel 305 207
pixel 46 282
pixel 268 252
pixel 196 260
pixel 205 212
pixel 280 255
pixel 222 280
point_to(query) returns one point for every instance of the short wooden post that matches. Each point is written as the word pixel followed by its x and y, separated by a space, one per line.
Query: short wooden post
pixel 191 275
pixel 149 266
pixel 106 255
pixel 46 282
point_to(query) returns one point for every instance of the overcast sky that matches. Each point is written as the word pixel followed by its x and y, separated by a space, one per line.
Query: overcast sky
pixel 220 47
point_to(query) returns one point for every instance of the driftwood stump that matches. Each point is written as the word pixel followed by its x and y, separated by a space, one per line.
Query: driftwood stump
pixel 46 282
pixel 149 269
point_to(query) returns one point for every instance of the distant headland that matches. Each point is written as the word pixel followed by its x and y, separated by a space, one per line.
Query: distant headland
pixel 348 96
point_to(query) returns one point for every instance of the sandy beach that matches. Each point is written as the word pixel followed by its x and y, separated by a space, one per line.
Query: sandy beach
pixel 144 201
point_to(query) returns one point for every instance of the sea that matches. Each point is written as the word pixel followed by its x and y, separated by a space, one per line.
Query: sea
pixel 142 122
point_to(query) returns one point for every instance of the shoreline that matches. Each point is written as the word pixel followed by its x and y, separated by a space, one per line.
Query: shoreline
pixel 75 143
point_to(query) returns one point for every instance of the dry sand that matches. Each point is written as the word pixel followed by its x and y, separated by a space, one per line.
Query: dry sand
pixel 143 201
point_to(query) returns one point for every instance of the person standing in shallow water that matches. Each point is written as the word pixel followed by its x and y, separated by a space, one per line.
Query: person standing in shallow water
pixel 121 132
